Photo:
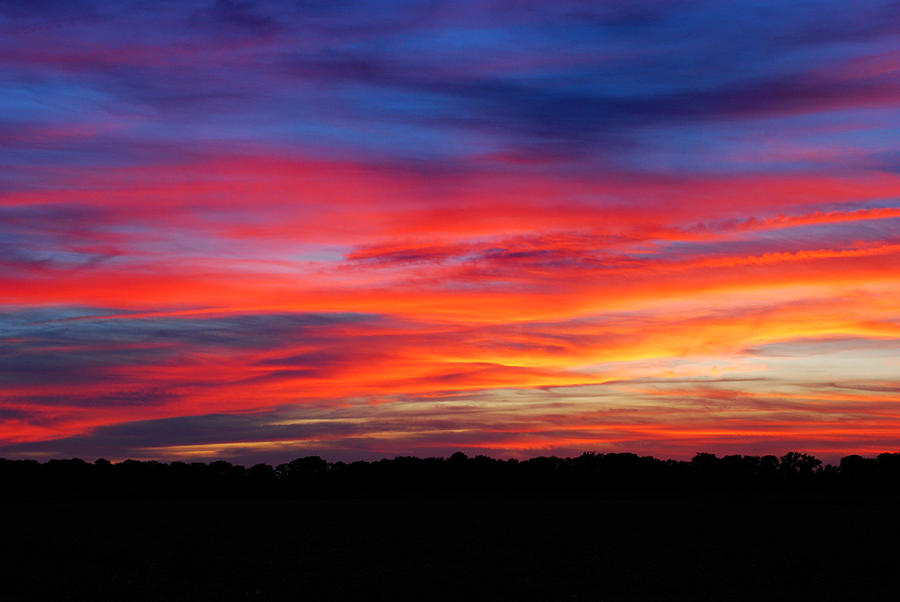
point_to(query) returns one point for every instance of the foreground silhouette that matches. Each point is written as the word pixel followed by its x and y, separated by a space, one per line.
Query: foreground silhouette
pixel 612 527
pixel 590 472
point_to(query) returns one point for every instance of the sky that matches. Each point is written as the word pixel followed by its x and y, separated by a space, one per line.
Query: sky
pixel 257 231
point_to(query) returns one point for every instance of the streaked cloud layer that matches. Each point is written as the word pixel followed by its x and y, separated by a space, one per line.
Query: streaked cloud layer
pixel 262 230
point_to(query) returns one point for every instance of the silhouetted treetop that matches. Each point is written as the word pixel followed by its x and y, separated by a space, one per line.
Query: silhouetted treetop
pixel 589 472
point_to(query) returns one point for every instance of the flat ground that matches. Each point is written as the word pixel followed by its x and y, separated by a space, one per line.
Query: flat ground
pixel 451 549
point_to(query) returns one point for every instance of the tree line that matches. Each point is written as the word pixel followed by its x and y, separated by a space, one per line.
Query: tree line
pixel 589 472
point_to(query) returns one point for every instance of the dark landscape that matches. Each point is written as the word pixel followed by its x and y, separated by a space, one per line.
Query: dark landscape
pixel 595 527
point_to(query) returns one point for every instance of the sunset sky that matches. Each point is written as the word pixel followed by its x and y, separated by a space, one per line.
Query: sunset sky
pixel 257 231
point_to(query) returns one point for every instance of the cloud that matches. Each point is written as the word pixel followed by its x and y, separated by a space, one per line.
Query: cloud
pixel 233 16
pixel 670 417
pixel 37 10
pixel 502 226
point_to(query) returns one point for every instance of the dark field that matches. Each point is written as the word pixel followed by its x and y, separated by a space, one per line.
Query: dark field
pixel 574 547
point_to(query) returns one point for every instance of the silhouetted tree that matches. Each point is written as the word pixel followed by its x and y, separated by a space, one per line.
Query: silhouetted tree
pixel 588 472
